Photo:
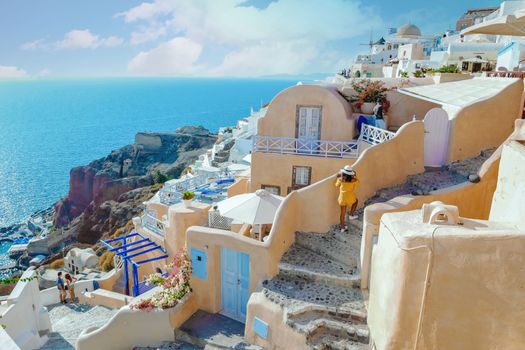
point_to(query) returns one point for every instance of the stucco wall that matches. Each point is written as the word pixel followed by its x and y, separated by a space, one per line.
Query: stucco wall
pixel 25 316
pixel 472 273
pixel 484 124
pixel 508 203
pixel 404 107
pixel 264 256
pixel 336 114
pixel 241 186
pixel 280 335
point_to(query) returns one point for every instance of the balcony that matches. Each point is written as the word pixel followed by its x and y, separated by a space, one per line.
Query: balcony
pixel 150 222
pixel 305 147
pixel 374 136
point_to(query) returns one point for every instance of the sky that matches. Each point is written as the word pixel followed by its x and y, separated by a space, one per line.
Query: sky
pixel 204 38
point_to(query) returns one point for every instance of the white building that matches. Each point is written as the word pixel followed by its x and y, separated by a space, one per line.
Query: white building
pixel 77 260
pixel 388 50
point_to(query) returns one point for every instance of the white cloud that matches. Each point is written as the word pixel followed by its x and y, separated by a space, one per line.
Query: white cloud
pixel 38 44
pixel 12 72
pixel 175 57
pixel 84 39
pixel 146 34
pixel 288 36
pixel 148 11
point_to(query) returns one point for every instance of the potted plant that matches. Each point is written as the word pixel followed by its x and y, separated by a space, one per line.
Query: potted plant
pixel 418 74
pixel 368 92
pixel 187 198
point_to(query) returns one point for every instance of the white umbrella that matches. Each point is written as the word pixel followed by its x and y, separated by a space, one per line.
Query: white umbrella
pixel 251 208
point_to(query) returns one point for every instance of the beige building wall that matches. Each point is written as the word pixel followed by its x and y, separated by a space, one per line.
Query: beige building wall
pixel 337 123
pixel 438 286
pixel 270 169
pixel 508 204
pixel 484 124
pixel 411 52
pixel 404 107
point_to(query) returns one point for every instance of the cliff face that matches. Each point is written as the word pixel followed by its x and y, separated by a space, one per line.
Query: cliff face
pixel 97 190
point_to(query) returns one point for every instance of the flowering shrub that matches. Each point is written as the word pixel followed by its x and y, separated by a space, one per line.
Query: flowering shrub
pixel 368 90
pixel 174 286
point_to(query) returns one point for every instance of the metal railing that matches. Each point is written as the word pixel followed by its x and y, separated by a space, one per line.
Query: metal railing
pixel 216 220
pixel 374 135
pixel 306 147
pixel 153 224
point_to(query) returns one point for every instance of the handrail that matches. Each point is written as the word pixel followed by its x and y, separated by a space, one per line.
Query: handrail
pixel 306 147
pixel 374 135
pixel 153 224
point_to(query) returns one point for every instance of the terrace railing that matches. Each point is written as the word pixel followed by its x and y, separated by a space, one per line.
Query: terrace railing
pixel 168 195
pixel 306 147
pixel 190 183
pixel 216 220
pixel 153 224
pixel 374 135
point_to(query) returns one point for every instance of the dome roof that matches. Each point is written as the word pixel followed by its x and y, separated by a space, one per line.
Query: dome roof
pixel 408 30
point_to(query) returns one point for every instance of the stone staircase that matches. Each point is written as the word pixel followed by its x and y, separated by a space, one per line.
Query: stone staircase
pixel 70 320
pixel 435 179
pixel 318 287
pixel 318 280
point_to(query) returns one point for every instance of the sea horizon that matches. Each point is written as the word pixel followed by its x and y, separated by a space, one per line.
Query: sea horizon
pixel 52 124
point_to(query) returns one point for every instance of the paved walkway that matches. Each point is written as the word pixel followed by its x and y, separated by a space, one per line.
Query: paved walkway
pixel 70 320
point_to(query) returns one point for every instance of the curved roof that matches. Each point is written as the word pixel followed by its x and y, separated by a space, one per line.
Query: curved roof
pixel 408 30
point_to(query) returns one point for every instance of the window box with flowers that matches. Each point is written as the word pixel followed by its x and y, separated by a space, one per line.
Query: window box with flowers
pixel 368 92
pixel 174 287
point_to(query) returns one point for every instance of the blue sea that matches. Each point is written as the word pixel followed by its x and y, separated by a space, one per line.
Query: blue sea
pixel 49 126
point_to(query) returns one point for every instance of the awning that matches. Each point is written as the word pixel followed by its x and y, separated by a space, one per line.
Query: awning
pixel 460 93
pixel 513 25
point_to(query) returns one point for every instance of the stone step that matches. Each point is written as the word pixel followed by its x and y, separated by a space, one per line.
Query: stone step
pixel 300 293
pixel 213 331
pixel 175 345
pixel 70 320
pixel 328 246
pixel 302 262
pixel 328 339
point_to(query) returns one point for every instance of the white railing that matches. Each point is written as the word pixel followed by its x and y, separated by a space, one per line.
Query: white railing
pixel 190 183
pixel 168 195
pixel 305 147
pixel 374 135
pixel 153 224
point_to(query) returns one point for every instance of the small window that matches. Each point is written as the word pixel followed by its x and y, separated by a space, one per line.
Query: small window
pixel 301 176
pixel 272 189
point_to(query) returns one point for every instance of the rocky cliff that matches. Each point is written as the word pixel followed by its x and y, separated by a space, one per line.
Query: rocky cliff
pixel 107 192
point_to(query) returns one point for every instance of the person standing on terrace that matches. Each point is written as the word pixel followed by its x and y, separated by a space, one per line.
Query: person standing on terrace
pixel 347 182
pixel 376 119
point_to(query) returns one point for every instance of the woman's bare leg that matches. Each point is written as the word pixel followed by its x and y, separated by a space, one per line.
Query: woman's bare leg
pixel 342 216
pixel 354 207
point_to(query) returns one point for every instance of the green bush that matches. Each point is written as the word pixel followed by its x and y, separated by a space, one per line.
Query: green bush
pixel 159 177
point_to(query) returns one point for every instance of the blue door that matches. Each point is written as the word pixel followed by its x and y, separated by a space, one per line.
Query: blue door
pixel 235 272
